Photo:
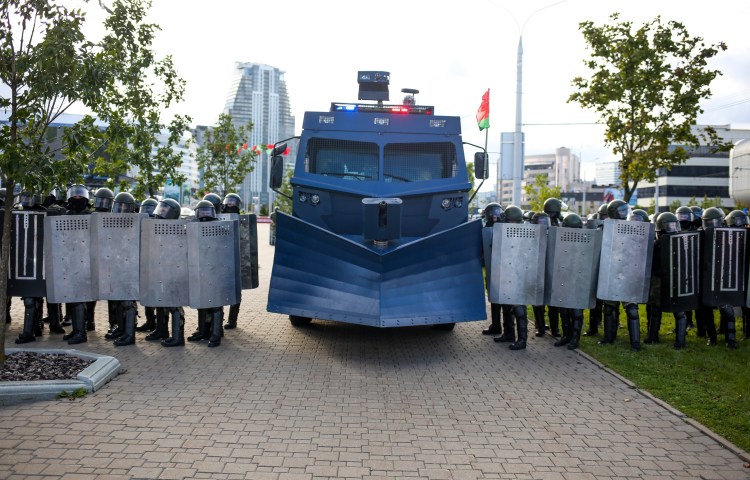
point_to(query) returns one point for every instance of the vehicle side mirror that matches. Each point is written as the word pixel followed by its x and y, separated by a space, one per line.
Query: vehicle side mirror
pixel 277 172
pixel 481 165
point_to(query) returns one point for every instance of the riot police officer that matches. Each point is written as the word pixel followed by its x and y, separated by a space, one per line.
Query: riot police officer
pixel 514 214
pixel 666 224
pixel 209 319
pixel 232 203
pixel 147 206
pixel 493 213
pixel 553 208
pixel 32 321
pixel 78 204
pixel 619 210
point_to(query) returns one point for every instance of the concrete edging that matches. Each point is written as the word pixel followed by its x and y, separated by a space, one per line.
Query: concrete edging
pixel 92 378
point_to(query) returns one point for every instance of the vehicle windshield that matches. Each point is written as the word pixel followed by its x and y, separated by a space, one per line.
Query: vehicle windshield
pixel 360 161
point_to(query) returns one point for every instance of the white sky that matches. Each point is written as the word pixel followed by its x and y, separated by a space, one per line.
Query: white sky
pixel 451 51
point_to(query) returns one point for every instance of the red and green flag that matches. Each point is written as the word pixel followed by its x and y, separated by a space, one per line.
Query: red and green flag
pixel 483 114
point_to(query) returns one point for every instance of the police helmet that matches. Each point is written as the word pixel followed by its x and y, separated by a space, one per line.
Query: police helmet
pixel 572 220
pixel 232 203
pixel 28 199
pixel 123 203
pixel 78 190
pixel 697 215
pixel 103 199
pixel 492 214
pixel 685 216
pixel 540 218
pixel 553 208
pixel 618 210
pixel 736 218
pixel 603 211
pixel 214 199
pixel 513 214
pixel 667 222
pixel 168 209
pixel 528 215
pixel 204 211
pixel 638 215
pixel 712 217
pixel 148 205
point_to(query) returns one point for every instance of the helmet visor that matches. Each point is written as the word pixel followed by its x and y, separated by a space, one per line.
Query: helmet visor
pixel 78 191
pixel 119 207
pixel 166 212
pixel 204 213
pixel 711 222
pixel 103 203
pixel 671 227
pixel 739 221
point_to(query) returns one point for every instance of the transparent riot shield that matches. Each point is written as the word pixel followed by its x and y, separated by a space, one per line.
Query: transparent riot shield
pixel 625 261
pixel 518 264
pixel 571 272
pixel 67 253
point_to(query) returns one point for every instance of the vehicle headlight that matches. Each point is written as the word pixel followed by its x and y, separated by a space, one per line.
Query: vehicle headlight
pixel 446 203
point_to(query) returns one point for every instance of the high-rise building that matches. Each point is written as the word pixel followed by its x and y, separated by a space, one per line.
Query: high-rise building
pixel 258 94
pixel 561 168
pixel 608 173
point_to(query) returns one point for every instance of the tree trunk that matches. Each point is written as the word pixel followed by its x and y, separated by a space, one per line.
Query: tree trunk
pixel 628 191
pixel 9 186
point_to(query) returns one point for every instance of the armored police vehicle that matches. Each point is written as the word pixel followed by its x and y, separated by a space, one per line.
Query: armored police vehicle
pixel 379 233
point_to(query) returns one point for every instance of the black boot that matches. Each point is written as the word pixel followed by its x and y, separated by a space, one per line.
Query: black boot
pixel 234 311
pixel 68 318
pixel 54 314
pixel 112 318
pixel 161 328
pixel 541 327
pixel 680 321
pixel 118 316
pixel 575 331
pixel 38 322
pixel 554 321
pixel 128 333
pixel 634 326
pixel 204 328
pixel 29 319
pixel 689 317
pixel 745 326
pixel 178 334
pixel 79 325
pixel 595 318
pixel 522 324
pixel 610 324
pixel 150 324
pixel 90 319
pixel 654 324
pixel 711 335
pixel 730 337
pixel 508 330
pixel 566 327
pixel 493 329
pixel 217 317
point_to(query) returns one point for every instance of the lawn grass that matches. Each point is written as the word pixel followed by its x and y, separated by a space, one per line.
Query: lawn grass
pixel 709 384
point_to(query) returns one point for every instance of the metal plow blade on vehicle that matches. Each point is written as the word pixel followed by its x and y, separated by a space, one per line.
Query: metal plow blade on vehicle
pixel 432 280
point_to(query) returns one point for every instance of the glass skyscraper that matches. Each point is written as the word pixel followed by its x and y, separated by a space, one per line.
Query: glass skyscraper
pixel 258 94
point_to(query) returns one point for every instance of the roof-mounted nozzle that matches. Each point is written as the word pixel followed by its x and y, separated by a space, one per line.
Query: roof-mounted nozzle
pixel 409 99
pixel 373 86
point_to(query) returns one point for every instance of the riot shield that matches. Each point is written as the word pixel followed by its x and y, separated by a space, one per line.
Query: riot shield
pixel 723 266
pixel 115 255
pixel 625 261
pixel 680 271
pixel 487 254
pixel 518 263
pixel 572 266
pixel 164 263
pixel 214 263
pixel 26 276
pixel 67 253
pixel 248 230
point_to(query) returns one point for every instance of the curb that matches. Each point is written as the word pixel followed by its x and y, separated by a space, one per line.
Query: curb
pixel 743 455
pixel 92 378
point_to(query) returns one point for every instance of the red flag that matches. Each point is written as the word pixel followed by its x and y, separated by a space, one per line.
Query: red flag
pixel 483 114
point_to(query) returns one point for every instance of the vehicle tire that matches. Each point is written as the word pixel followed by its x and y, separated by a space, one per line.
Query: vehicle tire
pixel 448 327
pixel 297 321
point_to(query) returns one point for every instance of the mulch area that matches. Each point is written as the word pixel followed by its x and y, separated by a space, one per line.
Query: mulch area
pixel 25 366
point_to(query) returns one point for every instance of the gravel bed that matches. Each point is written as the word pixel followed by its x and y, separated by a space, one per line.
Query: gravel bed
pixel 22 366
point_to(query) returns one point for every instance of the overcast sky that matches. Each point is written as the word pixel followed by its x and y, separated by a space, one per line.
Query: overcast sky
pixel 452 51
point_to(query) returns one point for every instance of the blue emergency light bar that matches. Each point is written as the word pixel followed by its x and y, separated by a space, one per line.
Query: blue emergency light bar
pixel 372 108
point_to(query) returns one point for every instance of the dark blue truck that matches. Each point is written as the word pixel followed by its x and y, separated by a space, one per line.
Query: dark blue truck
pixel 379 233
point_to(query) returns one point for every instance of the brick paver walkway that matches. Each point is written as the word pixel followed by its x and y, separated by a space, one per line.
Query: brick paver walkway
pixel 342 401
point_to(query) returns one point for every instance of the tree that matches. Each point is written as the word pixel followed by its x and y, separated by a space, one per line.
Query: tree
pixel 47 65
pixel 539 191
pixel 673 206
pixel 710 202
pixel 224 156
pixel 141 89
pixel 646 86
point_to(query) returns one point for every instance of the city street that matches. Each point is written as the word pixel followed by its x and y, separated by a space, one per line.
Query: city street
pixel 342 401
